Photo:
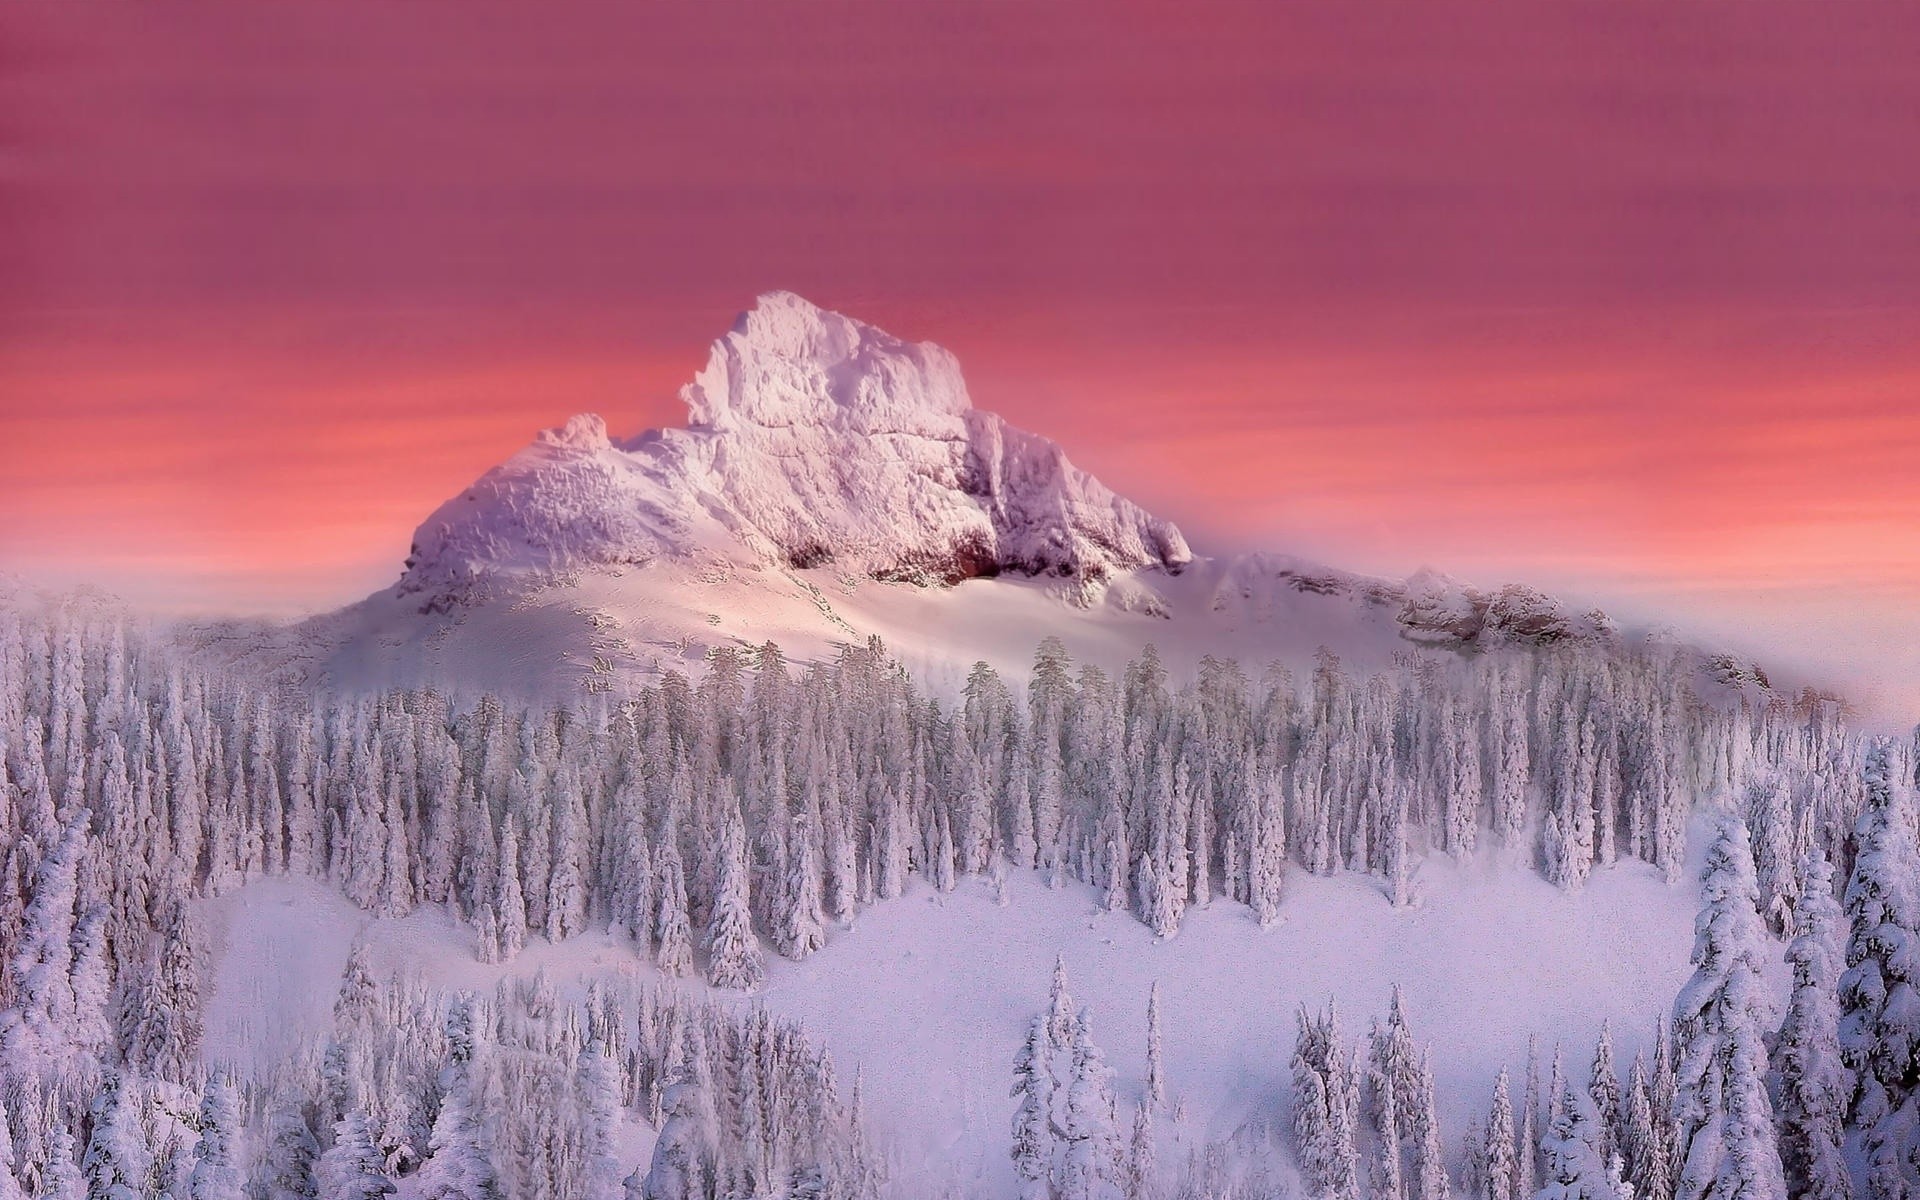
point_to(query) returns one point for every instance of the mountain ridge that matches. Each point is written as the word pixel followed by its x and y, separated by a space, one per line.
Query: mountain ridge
pixel 835 483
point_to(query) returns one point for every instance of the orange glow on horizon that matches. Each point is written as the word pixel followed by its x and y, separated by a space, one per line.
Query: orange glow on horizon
pixel 1622 304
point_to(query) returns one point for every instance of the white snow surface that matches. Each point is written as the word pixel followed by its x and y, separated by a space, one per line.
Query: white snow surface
pixel 929 995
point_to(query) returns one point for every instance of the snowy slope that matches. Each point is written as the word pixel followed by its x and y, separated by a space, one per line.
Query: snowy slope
pixel 929 994
pixel 833 483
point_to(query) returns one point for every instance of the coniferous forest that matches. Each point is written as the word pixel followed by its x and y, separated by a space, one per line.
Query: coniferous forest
pixel 754 807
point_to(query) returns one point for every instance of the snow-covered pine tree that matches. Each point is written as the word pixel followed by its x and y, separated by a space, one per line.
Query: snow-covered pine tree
pixel 1514 766
pixel 734 958
pixel 1430 1165
pixel 291 1152
pixel 1090 1158
pixel 1815 1085
pixel 10 1188
pixel 1643 1139
pixel 1267 849
pixel 1061 1013
pixel 673 930
pixel 509 901
pixel 1397 1090
pixel 165 1037
pixel 1389 1143
pixel 1398 851
pixel 800 921
pixel 1575 1169
pixel 60 1175
pixel 1879 1002
pixel 1728 1149
pixel 600 1088
pixel 1325 1109
pixel 1502 1168
pixel 1770 817
pixel 567 882
pixel 1033 1128
pixel 36 1027
pixel 1604 1088
pixel 1156 1066
pixel 678 1169
pixel 119 1160
pixel 216 1171
pixel 1463 788
pixel 1526 1165
pixel 353 1168
pixel 458 1165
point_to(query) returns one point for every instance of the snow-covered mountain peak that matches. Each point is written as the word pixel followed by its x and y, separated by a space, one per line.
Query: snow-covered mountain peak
pixel 787 362
pixel 813 438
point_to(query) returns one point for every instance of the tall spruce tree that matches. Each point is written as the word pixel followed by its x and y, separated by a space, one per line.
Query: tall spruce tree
pixel 1728 1149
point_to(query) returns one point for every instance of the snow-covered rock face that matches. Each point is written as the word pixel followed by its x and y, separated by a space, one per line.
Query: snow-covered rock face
pixel 813 438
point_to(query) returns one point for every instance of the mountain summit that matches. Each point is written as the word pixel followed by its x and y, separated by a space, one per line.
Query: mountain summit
pixel 812 439
pixel 834 483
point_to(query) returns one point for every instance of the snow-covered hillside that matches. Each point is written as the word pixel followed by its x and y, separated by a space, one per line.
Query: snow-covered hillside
pixel 1484 961
pixel 296 937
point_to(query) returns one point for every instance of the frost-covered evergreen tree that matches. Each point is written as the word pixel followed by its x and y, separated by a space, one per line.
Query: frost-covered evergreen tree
pixel 216 1171
pixel 673 930
pixel 1644 1139
pixel 1604 1089
pixel 119 1160
pixel 678 1170
pixel 1770 817
pixel 1815 1084
pixel 1879 1003
pixel 733 949
pixel 567 883
pixel 1156 1067
pixel 1033 1128
pixel 1526 1165
pixel 1326 1107
pixel 37 1027
pixel 458 1165
pixel 1515 768
pixel 60 1176
pixel 10 1188
pixel 354 1168
pixel 510 901
pixel 1090 1156
pixel 1575 1169
pixel 291 1152
pixel 800 921
pixel 600 1085
pixel 165 1038
pixel 1502 1169
pixel 1728 1148
pixel 1402 1109
pixel 1430 1165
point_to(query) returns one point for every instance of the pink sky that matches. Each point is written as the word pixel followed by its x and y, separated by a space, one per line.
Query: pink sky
pixel 1618 299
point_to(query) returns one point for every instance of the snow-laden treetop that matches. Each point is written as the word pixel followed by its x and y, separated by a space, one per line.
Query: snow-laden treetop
pixel 813 438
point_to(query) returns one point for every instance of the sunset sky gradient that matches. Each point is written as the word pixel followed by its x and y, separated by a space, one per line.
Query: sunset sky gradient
pixel 1618 299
